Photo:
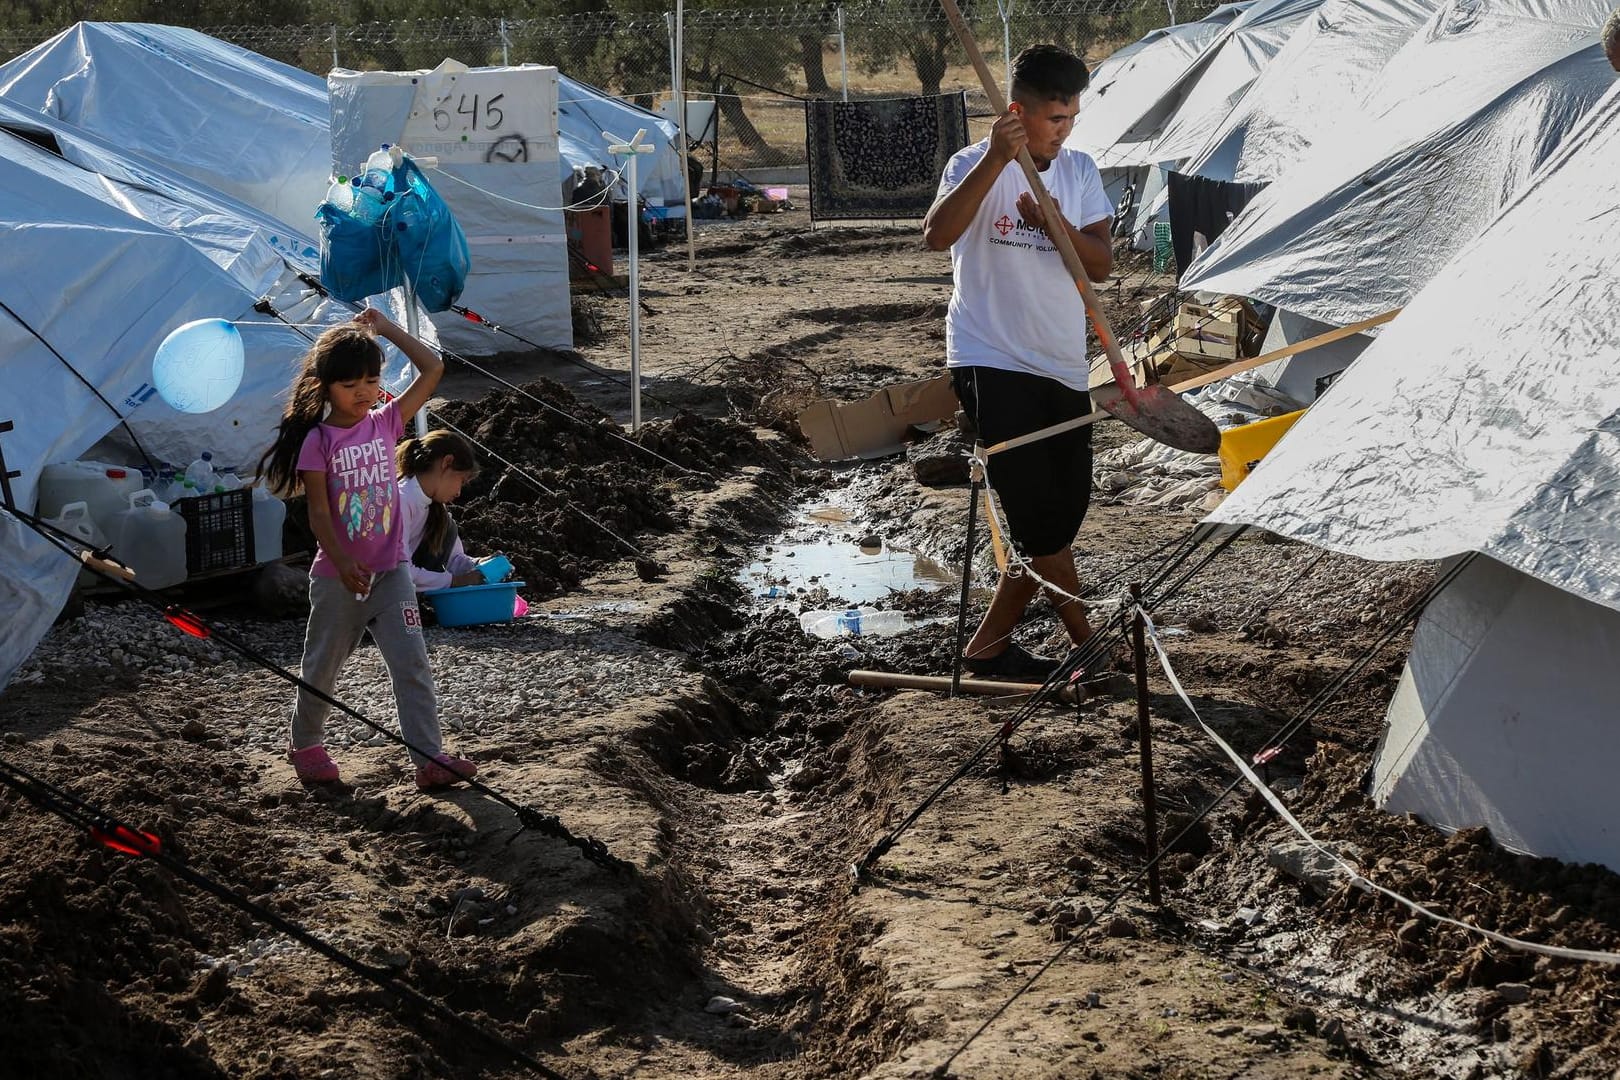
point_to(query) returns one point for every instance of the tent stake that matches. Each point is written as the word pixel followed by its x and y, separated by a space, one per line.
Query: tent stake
pixel 977 474
pixel 1144 739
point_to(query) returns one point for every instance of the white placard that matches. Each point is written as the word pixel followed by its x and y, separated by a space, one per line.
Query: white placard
pixel 484 115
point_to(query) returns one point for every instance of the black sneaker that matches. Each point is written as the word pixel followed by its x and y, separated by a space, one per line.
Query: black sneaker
pixel 1013 662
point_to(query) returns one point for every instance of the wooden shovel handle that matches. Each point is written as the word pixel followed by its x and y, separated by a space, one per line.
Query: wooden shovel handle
pixel 1055 228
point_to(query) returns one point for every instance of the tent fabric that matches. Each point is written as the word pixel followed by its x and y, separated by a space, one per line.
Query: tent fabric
pixel 1510 682
pixel 96 229
pixel 1486 417
pixel 882 157
pixel 1174 127
pixel 1323 72
pixel 1117 92
pixel 509 206
pixel 1457 122
pixel 584 113
pixel 237 121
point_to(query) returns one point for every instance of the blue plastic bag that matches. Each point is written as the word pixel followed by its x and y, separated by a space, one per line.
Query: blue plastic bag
pixel 357 260
pixel 432 248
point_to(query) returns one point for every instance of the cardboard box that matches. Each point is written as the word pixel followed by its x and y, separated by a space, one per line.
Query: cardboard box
pixel 879 425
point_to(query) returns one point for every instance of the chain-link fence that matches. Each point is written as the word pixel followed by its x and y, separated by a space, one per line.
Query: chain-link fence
pixel 754 63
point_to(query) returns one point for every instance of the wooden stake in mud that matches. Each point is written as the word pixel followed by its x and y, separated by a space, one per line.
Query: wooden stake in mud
pixel 976 473
pixel 1144 740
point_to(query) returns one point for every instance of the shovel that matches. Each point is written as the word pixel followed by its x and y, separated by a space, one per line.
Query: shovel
pixel 1152 409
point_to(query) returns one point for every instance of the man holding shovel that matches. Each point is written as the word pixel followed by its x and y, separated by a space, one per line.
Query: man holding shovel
pixel 1016 336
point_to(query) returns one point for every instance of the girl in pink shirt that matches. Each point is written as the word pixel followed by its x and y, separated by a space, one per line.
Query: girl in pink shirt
pixel 337 449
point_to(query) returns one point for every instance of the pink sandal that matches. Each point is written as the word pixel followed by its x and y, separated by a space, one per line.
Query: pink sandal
pixel 313 764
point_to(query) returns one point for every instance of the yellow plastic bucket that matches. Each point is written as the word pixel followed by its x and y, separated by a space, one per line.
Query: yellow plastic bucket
pixel 1243 447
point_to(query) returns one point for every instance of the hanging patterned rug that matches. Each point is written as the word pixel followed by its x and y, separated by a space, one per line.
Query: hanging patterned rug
pixel 881 158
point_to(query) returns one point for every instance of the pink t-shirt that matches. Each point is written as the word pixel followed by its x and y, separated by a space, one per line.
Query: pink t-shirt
pixel 361 487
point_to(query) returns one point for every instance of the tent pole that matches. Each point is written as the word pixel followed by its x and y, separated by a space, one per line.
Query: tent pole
pixel 680 121
pixel 413 327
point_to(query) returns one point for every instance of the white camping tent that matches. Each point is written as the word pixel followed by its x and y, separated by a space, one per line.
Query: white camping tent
pixel 1117 91
pixel 239 122
pixel 1456 122
pixel 1183 118
pixel 584 113
pixel 1324 70
pixel 1487 418
pixel 493 131
pixel 1174 126
pixel 102 254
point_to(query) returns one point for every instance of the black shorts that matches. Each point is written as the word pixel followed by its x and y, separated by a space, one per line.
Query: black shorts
pixel 1043 488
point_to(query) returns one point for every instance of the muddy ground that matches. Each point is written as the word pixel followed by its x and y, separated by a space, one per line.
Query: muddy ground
pixel 657 702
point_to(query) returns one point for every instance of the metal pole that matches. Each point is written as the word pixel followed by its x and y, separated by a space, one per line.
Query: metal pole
pixel 1144 739
pixel 633 149
pixel 976 472
pixel 1005 7
pixel 506 47
pixel 413 327
pixel 680 120
pixel 843 53
pixel 634 221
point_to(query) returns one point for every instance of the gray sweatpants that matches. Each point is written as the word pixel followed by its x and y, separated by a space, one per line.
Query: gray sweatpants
pixel 337 622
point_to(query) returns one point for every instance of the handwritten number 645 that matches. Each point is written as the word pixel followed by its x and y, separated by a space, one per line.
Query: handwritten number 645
pixel 493 115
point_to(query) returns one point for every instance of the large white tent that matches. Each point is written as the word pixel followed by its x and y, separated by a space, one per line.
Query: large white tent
pixel 1174 125
pixel 1454 125
pixel 1118 90
pixel 1323 72
pixel 1487 419
pixel 237 121
pixel 102 254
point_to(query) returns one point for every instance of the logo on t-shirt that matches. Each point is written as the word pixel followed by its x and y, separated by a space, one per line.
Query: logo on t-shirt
pixel 1004 225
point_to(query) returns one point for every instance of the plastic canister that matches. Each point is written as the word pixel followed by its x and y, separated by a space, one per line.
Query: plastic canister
pixel 146 537
pixel 269 514
pixel 75 520
pixel 104 489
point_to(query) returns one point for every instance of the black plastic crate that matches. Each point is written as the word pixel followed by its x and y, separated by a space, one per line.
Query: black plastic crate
pixel 219 530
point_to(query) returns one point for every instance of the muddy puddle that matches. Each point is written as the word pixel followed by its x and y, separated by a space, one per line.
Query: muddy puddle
pixel 824 549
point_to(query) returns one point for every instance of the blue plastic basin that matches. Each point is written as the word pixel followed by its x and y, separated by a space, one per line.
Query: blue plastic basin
pixel 474 605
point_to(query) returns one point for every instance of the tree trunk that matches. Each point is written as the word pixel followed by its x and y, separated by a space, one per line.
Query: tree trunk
pixel 731 108
pixel 815 74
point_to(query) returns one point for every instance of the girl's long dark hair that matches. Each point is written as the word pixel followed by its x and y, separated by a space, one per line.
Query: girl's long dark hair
pixel 340 354
pixel 417 455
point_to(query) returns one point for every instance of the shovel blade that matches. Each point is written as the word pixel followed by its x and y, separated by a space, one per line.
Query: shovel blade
pixel 1162 416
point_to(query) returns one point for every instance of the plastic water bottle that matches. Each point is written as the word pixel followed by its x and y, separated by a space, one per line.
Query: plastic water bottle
pixel 384 158
pixel 853 622
pixel 201 473
pixel 341 194
pixel 227 481
pixel 368 205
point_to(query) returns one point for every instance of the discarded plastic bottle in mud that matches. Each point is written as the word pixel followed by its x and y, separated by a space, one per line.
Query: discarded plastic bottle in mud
pixel 854 622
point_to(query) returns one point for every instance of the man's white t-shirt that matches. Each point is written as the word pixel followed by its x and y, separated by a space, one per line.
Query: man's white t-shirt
pixel 1015 307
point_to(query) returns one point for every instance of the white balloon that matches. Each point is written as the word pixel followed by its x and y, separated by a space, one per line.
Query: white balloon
pixel 199 365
